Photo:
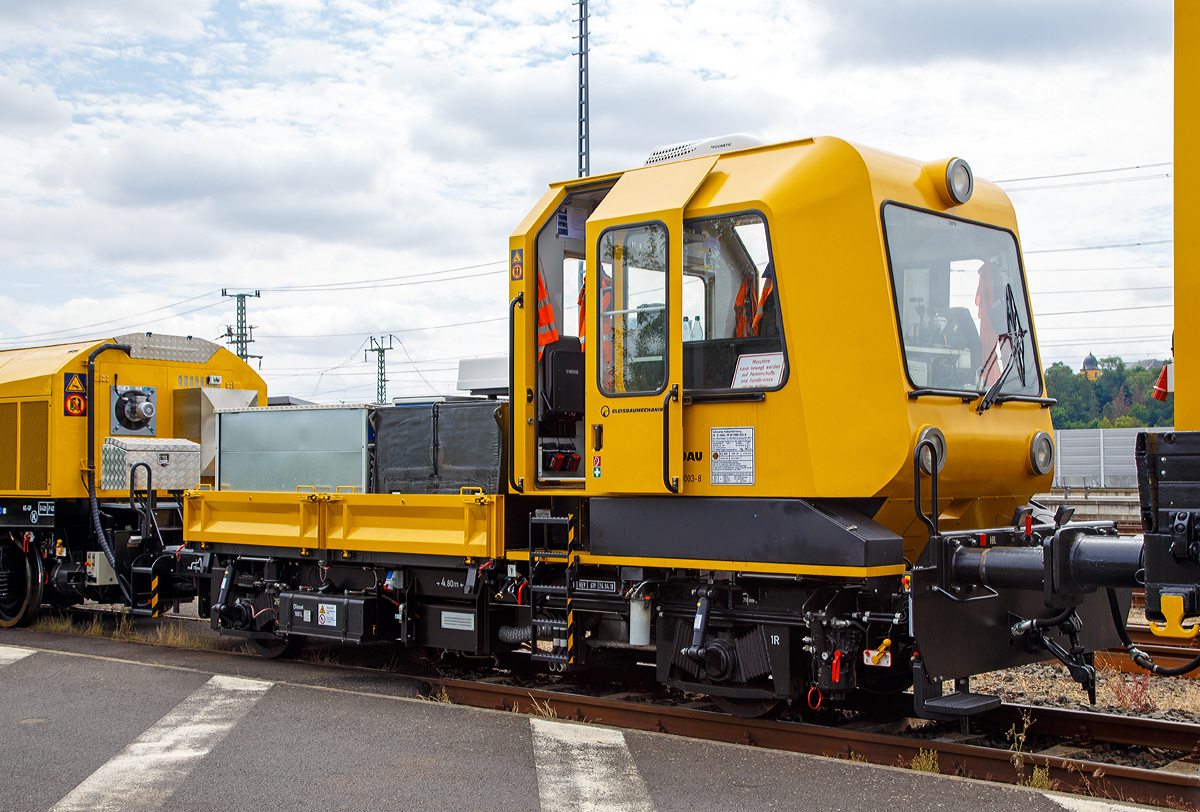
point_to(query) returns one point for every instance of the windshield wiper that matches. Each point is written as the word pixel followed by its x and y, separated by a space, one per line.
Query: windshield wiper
pixel 1015 337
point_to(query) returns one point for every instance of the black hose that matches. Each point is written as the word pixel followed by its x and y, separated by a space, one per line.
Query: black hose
pixel 515 634
pixel 1050 622
pixel 91 462
pixel 1140 657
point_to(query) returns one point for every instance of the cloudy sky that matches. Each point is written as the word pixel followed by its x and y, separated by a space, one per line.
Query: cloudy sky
pixel 154 153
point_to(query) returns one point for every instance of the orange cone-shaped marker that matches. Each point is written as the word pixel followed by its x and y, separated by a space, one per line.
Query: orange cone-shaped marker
pixel 1160 387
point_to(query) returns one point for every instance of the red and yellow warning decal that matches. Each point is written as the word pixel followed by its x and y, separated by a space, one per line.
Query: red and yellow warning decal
pixel 517 264
pixel 74 395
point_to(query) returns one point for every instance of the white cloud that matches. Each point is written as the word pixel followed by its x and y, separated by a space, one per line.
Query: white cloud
pixel 156 152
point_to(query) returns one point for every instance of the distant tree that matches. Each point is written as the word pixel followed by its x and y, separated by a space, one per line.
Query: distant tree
pixel 1119 397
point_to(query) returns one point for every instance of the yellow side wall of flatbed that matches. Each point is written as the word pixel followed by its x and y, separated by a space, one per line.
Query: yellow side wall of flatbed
pixel 466 526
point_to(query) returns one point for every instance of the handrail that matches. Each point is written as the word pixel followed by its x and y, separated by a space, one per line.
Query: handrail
pixel 1046 403
pixel 672 483
pixel 929 521
pixel 518 301
pixel 964 396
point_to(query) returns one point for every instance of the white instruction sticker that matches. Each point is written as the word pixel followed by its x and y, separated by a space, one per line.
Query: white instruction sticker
pixel 731 455
pixel 462 621
pixel 758 371
pixel 327 614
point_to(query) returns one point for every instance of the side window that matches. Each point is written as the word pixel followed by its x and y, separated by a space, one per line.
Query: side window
pixel 730 321
pixel 632 307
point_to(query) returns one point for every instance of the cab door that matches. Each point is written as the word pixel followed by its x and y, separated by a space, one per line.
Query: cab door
pixel 634 343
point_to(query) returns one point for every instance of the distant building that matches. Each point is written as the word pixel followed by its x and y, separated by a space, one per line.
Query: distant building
pixel 1091 368
pixel 1149 363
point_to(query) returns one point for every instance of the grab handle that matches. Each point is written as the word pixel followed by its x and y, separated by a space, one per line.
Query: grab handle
pixel 672 482
pixel 519 301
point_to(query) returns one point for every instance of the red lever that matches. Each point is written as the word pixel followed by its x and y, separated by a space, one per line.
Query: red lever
pixel 837 666
pixel 1028 525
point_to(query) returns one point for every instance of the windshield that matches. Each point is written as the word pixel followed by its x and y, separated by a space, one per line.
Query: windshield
pixel 960 296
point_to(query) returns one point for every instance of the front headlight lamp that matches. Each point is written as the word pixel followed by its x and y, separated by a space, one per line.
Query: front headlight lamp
pixel 959 180
pixel 1041 453
pixel 939 441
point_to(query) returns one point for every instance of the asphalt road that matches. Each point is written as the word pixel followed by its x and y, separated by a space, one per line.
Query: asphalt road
pixel 95 724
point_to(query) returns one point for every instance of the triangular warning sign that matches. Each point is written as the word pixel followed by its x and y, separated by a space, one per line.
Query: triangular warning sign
pixel 75 383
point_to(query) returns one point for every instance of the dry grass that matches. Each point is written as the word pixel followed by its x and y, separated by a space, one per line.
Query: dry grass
pixel 925 761
pixel 59 624
pixel 543 708
pixel 320 656
pixel 439 695
pixel 179 635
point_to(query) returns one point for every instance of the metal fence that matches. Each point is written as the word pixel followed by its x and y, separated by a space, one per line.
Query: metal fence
pixel 1096 458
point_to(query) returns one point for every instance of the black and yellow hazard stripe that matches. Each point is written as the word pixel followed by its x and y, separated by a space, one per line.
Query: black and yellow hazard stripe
pixel 155 607
pixel 572 569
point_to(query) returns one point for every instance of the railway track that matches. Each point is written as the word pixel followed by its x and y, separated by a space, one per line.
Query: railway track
pixel 957 757
pixel 1062 742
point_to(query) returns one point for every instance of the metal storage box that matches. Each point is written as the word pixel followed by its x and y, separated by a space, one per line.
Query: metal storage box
pixel 282 448
pixel 175 463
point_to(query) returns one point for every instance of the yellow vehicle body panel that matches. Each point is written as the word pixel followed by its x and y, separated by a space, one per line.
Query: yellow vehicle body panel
pixel 43 448
pixel 262 519
pixel 1186 341
pixel 653 194
pixel 344 523
pixel 436 524
pixel 842 425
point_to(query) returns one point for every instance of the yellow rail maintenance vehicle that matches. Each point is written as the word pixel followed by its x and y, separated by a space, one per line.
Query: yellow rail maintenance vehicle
pixel 75 421
pixel 775 416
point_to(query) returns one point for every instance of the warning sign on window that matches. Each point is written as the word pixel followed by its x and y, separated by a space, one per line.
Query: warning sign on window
pixel 731 455
pixel 758 371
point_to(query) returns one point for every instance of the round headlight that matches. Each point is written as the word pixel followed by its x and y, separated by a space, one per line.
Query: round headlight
pixel 1041 453
pixel 939 441
pixel 959 180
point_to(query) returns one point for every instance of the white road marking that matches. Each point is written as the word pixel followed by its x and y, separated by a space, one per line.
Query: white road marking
pixel 12 654
pixel 586 769
pixel 1076 804
pixel 156 763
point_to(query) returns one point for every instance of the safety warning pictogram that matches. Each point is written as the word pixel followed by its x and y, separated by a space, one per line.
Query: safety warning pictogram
pixel 74 395
pixel 75 406
pixel 517 264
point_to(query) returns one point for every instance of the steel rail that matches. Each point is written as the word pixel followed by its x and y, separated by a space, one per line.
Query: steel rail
pixel 1077 775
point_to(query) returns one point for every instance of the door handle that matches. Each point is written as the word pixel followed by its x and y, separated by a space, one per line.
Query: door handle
pixel 672 482
pixel 519 301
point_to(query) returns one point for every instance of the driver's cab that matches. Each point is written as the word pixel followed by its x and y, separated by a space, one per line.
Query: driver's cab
pixel 638 312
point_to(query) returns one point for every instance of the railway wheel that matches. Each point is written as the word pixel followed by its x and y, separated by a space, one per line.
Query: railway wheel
pixel 20 584
pixel 750 708
pixel 281 647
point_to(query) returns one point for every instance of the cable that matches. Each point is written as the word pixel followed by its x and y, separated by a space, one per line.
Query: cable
pixel 1102 310
pixel 404 330
pixel 1100 270
pixel 1099 247
pixel 109 321
pixel 1089 172
pixel 356 286
pixel 1091 292
pixel 1088 183
pixel 336 285
pixel 85 336
pixel 1137 655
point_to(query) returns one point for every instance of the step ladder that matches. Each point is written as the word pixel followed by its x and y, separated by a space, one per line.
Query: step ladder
pixel 551 556
pixel 152 586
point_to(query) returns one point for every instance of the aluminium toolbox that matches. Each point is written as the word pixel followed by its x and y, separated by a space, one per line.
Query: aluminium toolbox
pixel 174 464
